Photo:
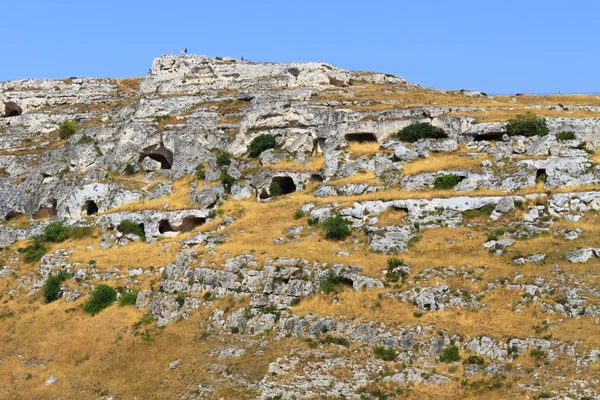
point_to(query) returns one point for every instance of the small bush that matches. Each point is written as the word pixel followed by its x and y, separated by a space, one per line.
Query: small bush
pixel 128 298
pixel 475 360
pixel 101 297
pixel 56 232
pixel 446 181
pixel 223 159
pixel 385 353
pixel 35 251
pixel 329 282
pixel 200 173
pixel 260 144
pixel 416 132
pixel 180 299
pixel 129 170
pixel 299 214
pixel 527 125
pixel 66 129
pixel 393 263
pixel 335 340
pixel 207 296
pixel 126 226
pixel 566 135
pixel 336 228
pixel 537 354
pixel 227 181
pixel 450 354
pixel 53 284
pixel 274 189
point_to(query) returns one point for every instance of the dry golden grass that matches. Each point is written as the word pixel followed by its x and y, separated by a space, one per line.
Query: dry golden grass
pixel 178 200
pixel 129 85
pixel 361 177
pixel 440 161
pixel 358 149
pixel 596 157
pixel 315 164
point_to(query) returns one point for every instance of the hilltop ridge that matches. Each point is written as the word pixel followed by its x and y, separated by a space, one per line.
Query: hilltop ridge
pixel 296 230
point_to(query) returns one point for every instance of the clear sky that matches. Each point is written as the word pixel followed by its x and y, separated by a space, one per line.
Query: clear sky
pixel 498 46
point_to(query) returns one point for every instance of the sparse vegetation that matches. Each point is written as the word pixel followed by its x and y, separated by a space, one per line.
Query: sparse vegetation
pixel 129 169
pixel 392 264
pixel 101 297
pixel 128 298
pixel 53 285
pixel 274 189
pixel 260 144
pixel 227 181
pixel 385 353
pixel 527 124
pixel 200 173
pixel 329 282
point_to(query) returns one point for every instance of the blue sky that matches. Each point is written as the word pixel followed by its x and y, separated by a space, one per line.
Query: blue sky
pixel 496 46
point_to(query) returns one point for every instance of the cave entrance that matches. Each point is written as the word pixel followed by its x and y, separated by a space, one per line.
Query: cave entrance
pixel 285 183
pixel 187 225
pixel 46 211
pixel 90 207
pixel 158 153
pixel 11 215
pixel 490 137
pixel 540 176
pixel 12 109
pixel 316 178
pixel 361 137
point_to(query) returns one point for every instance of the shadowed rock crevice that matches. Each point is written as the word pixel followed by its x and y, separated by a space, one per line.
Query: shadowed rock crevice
pixel 12 109
pixel 361 137
pixel 90 207
pixel 158 153
pixel 188 224
pixel 286 184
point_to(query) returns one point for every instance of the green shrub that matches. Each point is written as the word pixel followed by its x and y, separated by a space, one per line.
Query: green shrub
pixel 450 354
pixel 200 173
pixel 336 228
pixel 527 125
pixel 52 286
pixel 207 296
pixel 35 251
pixel 446 181
pixel 128 298
pixel 66 129
pixel 329 282
pixel 299 214
pixel 393 263
pixel 129 170
pixel 385 353
pixel 126 226
pixel 537 354
pixel 416 132
pixel 180 300
pixel 476 360
pixel 335 340
pixel 274 189
pixel 101 297
pixel 260 144
pixel 566 135
pixel 56 232
pixel 223 159
pixel 227 181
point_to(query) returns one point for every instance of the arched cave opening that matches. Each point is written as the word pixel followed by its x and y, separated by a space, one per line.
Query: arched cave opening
pixel 158 153
pixel 164 226
pixel 286 184
pixel 361 137
pixel 12 109
pixel 187 225
pixel 90 207
pixel 12 214
pixel 316 178
pixel 541 176
pixel 47 210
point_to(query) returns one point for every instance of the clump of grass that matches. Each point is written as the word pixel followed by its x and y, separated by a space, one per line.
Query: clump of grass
pixel 450 354
pixel 446 181
pixel 224 159
pixel 200 173
pixel 392 264
pixel 566 135
pixel 385 353
pixel 329 282
pixel 101 297
pixel 128 298
pixel 335 340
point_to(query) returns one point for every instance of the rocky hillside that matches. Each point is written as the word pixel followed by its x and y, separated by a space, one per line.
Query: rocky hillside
pixel 233 230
